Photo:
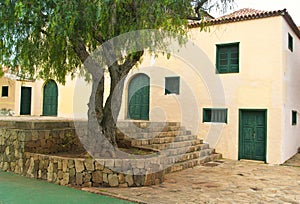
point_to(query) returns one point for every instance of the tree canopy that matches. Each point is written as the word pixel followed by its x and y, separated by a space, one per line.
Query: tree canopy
pixel 51 38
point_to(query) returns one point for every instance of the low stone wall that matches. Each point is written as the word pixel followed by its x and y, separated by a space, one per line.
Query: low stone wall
pixel 24 147
pixel 12 143
pixel 83 172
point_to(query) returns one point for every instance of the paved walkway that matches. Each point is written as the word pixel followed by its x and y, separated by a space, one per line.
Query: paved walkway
pixel 226 181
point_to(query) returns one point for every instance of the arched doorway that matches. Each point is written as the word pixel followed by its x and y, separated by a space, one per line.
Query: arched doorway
pixel 138 97
pixel 50 99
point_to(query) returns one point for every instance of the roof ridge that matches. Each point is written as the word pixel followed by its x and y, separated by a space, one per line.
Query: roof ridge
pixel 249 12
pixel 240 15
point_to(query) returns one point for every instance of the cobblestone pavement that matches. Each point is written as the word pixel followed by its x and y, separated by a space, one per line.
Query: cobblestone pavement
pixel 225 181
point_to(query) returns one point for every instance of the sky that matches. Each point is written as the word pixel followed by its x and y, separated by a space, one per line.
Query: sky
pixel 292 7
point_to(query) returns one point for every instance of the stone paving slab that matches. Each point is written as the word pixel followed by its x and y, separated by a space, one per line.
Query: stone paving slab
pixel 225 181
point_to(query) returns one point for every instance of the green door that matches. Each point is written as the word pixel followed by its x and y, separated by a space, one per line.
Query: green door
pixel 138 97
pixel 252 136
pixel 25 108
pixel 50 99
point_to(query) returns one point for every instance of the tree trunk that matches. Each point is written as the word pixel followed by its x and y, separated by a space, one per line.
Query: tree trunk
pixel 102 128
pixel 113 103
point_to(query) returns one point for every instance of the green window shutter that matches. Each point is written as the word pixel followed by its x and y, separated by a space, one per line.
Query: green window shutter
pixel 290 42
pixel 228 58
pixel 215 115
pixel 294 117
pixel 172 85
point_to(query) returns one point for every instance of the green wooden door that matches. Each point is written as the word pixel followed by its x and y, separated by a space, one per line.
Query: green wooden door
pixel 138 97
pixel 50 99
pixel 25 108
pixel 252 138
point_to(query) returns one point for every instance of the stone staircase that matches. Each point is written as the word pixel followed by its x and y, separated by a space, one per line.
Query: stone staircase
pixel 182 149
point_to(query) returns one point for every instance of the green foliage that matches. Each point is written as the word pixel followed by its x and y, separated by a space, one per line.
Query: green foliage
pixel 41 37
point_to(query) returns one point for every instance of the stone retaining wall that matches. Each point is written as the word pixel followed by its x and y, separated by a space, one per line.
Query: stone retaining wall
pixel 24 147
pixel 83 172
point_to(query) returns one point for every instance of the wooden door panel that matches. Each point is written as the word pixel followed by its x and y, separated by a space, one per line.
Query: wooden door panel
pixel 252 139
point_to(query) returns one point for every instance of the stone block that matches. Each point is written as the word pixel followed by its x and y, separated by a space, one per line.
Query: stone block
pixel 109 163
pixel 6 166
pixel 118 163
pixel 60 175
pixel 79 179
pixel 139 180
pixel 79 166
pixel 140 164
pixel 87 177
pixel 59 165
pixel 105 179
pixel 89 164
pixel 129 180
pixel 99 166
pixel 65 165
pixel 121 178
pixel 72 172
pixel 113 180
pixel 97 177
pixel 70 163
pixel 7 152
pixel 107 171
pixel 65 180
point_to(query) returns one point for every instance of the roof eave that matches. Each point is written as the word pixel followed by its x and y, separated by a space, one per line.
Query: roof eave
pixel 282 13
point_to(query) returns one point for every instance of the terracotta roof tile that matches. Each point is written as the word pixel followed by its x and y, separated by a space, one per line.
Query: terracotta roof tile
pixel 241 15
pixel 249 14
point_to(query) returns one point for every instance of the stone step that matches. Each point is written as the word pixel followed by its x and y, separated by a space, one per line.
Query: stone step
pixel 189 156
pixel 155 131
pixel 175 145
pixel 152 135
pixel 146 124
pixel 193 162
pixel 185 138
pixel 164 140
pixel 183 150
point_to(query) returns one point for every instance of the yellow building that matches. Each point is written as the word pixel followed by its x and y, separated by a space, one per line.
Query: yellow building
pixel 35 97
pixel 235 86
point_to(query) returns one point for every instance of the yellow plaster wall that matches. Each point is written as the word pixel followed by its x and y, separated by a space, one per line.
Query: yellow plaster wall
pixel 7 102
pixel 258 85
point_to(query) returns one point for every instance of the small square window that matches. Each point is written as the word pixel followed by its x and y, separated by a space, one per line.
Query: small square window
pixel 4 91
pixel 228 58
pixel 291 44
pixel 216 115
pixel 172 85
pixel 294 117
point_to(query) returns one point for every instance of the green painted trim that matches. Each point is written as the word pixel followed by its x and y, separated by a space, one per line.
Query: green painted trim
pixel 294 117
pixel 218 46
pixel 25 110
pixel 290 42
pixel 240 129
pixel 205 119
pixel 140 116
pixel 50 87
pixel 177 92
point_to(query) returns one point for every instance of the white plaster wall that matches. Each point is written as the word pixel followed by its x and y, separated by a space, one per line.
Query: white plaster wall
pixel 291 93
